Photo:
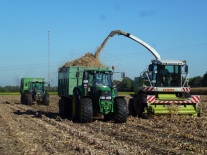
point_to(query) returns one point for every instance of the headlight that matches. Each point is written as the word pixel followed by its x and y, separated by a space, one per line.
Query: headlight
pixel 105 97
pixel 108 97
pixel 102 97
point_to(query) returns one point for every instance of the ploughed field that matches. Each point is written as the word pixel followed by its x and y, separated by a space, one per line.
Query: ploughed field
pixel 38 129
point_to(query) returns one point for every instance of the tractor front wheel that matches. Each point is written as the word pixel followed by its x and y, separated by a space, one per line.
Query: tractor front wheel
pixel 86 110
pixel 121 110
pixel 46 99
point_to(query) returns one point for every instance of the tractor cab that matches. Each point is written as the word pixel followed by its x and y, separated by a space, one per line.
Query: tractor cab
pixel 37 89
pixel 37 85
pixel 97 81
pixel 104 79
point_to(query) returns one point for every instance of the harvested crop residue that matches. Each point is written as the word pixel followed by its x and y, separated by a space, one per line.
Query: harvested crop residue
pixel 38 129
pixel 87 60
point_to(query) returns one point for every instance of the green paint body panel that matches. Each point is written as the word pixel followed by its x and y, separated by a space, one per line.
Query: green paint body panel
pixel 26 83
pixel 180 109
pixel 157 108
pixel 68 80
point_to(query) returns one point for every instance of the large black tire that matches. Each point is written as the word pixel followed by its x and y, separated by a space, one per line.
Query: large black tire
pixel 63 108
pixel 140 104
pixel 138 109
pixel 131 109
pixel 45 100
pixel 86 110
pixel 74 107
pixel 121 110
pixel 22 99
pixel 29 99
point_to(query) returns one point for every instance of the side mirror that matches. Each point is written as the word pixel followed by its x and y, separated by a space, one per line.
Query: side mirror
pixel 186 68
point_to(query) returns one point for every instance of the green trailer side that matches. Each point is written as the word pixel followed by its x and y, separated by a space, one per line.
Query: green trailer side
pixel 68 78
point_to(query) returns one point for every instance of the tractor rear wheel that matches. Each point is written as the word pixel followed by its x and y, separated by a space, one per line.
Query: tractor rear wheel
pixel 22 99
pixel 86 110
pixel 121 110
pixel 29 99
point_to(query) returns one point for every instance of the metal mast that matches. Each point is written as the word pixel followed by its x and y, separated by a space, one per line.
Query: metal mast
pixel 48 58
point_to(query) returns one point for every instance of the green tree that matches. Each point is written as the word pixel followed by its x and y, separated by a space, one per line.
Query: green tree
pixel 196 81
pixel 126 84
pixel 204 81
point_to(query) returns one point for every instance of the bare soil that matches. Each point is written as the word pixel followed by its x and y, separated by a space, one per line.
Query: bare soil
pixel 38 129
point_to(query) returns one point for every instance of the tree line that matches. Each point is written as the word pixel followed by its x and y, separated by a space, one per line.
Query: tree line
pixel 17 89
pixel 126 85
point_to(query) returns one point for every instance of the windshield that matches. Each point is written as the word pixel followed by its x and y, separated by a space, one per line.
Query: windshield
pixel 167 75
pixel 101 79
pixel 37 85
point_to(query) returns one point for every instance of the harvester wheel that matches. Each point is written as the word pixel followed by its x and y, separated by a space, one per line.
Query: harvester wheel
pixel 86 110
pixel 140 105
pixel 121 110
pixel 145 116
pixel 29 99
pixel 131 107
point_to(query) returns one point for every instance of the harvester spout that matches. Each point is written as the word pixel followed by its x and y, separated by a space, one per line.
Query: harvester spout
pixel 150 48
pixel 119 32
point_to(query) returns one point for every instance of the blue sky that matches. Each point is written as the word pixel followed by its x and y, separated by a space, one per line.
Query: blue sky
pixel 176 29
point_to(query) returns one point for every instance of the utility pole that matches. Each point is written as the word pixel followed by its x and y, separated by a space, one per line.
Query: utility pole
pixel 48 58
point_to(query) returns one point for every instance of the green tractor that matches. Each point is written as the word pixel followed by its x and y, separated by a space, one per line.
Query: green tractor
pixel 87 91
pixel 32 90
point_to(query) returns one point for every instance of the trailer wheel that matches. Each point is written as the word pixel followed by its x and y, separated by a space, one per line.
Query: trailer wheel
pixel 86 110
pixel 121 110
pixel 62 108
pixel 29 99
pixel 131 107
